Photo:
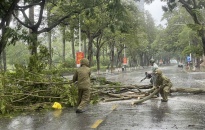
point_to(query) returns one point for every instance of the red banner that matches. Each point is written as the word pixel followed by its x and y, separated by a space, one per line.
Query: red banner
pixel 124 61
pixel 79 56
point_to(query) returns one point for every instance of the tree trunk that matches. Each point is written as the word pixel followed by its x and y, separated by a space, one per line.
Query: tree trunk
pixel 63 41
pixel 49 42
pixel 90 49
pixel 4 60
pixel 188 90
pixel 119 56
pixel 98 58
pixel 73 42
pixel 141 60
pixel 112 55
pixel 1 61
pixel 203 41
pixel 85 48
pixel 202 65
pixel 5 21
pixel 33 33
pixel 3 41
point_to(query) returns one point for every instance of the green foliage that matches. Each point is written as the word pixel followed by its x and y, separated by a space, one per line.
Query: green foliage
pixel 18 54
pixel 195 27
pixel 70 95
pixel 69 63
pixel 104 61
pixel 16 34
pixel 101 80
pixel 22 88
pixel 94 99
pixel 197 50
pixel 94 68
pixel 39 61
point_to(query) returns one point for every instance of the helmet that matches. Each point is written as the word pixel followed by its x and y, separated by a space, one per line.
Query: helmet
pixel 84 61
pixel 158 71
pixel 151 60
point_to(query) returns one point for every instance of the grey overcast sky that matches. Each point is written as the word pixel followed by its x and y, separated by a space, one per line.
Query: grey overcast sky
pixel 155 9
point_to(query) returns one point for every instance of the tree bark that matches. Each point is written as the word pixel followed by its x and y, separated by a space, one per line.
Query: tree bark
pixel 63 41
pixel 73 42
pixel 112 45
pixel 49 41
pixel 4 60
pixel 90 49
pixel 188 90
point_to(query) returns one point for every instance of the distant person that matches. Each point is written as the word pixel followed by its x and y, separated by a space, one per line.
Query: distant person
pixel 164 84
pixel 82 77
pixel 154 66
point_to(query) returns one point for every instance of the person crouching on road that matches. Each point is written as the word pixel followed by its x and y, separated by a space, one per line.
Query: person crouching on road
pixel 82 77
pixel 164 84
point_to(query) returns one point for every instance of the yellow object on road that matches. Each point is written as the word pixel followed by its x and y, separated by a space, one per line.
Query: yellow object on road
pixel 57 105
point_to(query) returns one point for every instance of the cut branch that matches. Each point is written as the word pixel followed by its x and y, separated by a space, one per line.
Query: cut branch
pixel 147 97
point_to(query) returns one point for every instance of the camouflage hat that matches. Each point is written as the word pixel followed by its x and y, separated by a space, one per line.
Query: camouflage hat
pixel 151 60
pixel 158 71
pixel 84 61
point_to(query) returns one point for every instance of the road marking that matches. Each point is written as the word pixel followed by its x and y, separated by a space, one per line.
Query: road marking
pixel 97 123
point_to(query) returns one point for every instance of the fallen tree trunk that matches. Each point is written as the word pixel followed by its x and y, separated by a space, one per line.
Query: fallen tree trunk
pixel 188 90
pixel 106 86
pixel 179 90
pixel 127 86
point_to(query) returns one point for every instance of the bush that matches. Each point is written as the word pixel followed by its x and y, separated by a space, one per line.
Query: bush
pixel 105 61
pixel 70 63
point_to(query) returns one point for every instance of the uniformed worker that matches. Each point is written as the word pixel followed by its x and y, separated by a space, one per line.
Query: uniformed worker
pixel 82 76
pixel 164 84
pixel 154 66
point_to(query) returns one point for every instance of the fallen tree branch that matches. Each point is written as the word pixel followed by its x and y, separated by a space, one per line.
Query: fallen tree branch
pixel 188 90
pixel 117 99
pixel 106 86
pixel 144 86
pixel 146 98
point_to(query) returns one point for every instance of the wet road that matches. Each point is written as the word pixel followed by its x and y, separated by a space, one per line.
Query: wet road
pixel 182 111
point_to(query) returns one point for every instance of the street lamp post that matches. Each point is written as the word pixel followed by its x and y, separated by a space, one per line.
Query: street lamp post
pixel 79 35
pixel 80 54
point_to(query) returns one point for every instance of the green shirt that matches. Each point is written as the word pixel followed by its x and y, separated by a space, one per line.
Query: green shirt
pixel 82 76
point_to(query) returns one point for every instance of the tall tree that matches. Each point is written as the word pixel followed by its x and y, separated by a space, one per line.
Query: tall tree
pixel 6 10
pixel 195 8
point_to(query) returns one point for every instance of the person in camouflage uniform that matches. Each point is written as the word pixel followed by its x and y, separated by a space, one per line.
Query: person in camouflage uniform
pixel 82 77
pixel 164 84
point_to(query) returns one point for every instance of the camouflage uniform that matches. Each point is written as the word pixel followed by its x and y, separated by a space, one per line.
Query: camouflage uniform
pixel 164 84
pixel 82 76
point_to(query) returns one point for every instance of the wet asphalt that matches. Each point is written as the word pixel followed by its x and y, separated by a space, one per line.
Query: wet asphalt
pixel 183 111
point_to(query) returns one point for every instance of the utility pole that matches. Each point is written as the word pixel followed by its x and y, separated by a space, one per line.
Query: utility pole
pixel 79 35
